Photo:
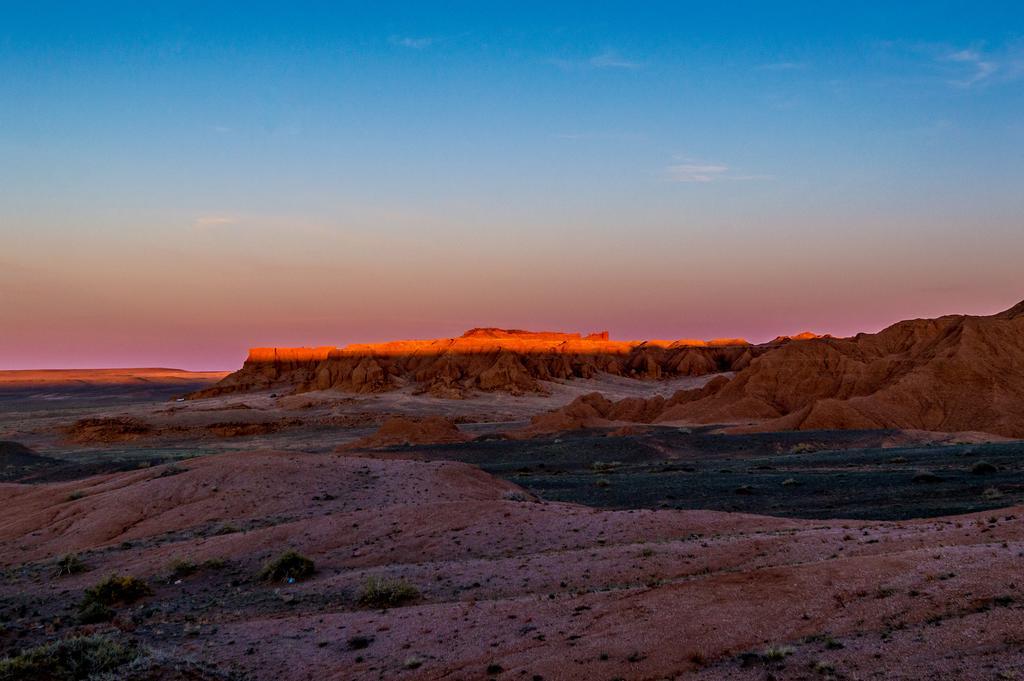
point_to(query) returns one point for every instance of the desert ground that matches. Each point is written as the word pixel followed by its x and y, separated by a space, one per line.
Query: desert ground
pixel 487 551
pixel 511 341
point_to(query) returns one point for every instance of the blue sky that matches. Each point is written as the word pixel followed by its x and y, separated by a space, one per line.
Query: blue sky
pixel 179 181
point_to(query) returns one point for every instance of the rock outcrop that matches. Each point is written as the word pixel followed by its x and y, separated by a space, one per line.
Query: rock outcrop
pixel 954 373
pixel 805 335
pixel 594 410
pixel 951 374
pixel 107 430
pixel 484 359
pixel 400 430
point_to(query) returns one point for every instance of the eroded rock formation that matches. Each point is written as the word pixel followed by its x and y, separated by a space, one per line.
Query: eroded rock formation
pixel 955 373
pixel 594 410
pixel 107 430
pixel 402 430
pixel 481 359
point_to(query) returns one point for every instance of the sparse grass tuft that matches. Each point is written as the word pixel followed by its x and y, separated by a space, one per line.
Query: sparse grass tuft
pixel 387 593
pixel 992 493
pixel 827 640
pixel 182 567
pixel 776 653
pixel 91 612
pixel 95 605
pixel 69 564
pixel 68 660
pixel 832 644
pixel 117 589
pixel 288 566
pixel 823 667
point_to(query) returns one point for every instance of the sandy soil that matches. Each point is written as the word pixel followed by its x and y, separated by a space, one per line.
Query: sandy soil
pixel 547 590
pixel 508 584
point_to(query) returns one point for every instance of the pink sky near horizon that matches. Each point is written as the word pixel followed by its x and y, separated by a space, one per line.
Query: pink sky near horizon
pixel 179 295
pixel 105 338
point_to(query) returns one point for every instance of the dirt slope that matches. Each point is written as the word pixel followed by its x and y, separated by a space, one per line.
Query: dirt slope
pixel 507 588
pixel 17 460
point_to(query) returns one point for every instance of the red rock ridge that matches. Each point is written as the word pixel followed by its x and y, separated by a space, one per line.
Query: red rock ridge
pixel 481 359
pixel 289 354
pixel 954 373
pixel 951 374
pixel 594 410
pixel 805 335
pixel 403 430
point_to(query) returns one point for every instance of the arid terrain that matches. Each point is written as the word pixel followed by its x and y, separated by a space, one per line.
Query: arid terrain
pixel 511 341
pixel 511 505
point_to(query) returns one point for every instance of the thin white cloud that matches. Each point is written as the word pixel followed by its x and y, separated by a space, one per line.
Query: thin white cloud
pixel 696 172
pixel 972 67
pixel 612 60
pixel 693 171
pixel 608 59
pixel 411 43
pixel 214 221
pixel 980 67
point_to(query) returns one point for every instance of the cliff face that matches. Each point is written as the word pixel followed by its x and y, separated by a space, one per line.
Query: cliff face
pixel 955 373
pixel 481 359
